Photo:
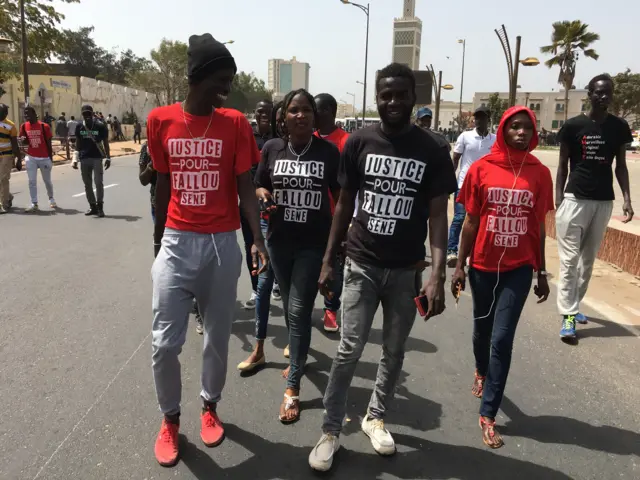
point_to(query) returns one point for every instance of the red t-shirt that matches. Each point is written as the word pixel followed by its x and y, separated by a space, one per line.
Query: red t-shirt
pixel 338 137
pixel 204 194
pixel 510 216
pixel 37 135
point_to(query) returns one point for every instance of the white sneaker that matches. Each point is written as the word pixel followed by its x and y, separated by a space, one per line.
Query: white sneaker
pixel 380 437
pixel 32 208
pixel 321 457
pixel 251 303
pixel 452 260
pixel 52 203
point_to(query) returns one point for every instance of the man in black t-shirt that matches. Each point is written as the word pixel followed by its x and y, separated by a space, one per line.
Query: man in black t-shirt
pixel 403 179
pixel 92 145
pixel 588 145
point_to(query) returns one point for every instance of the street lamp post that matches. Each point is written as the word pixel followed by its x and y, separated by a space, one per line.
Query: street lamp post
pixel 354 102
pixel 25 74
pixel 437 86
pixel 464 50
pixel 513 64
pixel 366 10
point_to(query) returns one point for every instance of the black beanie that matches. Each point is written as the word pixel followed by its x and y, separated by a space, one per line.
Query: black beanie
pixel 205 53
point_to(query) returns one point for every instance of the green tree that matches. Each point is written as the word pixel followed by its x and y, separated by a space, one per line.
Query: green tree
pixel 568 39
pixel 246 91
pixel 43 34
pixel 497 106
pixel 167 76
pixel 626 98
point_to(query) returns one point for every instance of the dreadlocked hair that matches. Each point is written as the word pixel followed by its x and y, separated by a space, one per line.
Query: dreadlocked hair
pixel 275 133
pixel 282 124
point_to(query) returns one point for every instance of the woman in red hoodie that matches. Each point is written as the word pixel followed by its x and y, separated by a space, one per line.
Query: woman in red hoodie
pixel 507 195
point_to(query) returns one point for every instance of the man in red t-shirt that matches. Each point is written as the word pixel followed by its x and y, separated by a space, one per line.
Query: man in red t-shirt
pixel 506 195
pixel 37 136
pixel 326 128
pixel 203 156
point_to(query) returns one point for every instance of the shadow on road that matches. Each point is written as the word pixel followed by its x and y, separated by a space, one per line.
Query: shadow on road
pixel 569 431
pixel 416 459
pixel 605 329
pixel 126 218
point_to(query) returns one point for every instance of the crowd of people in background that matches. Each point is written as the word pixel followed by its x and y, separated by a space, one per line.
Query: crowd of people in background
pixel 346 216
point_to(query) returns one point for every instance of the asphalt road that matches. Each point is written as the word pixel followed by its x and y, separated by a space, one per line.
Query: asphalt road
pixel 78 398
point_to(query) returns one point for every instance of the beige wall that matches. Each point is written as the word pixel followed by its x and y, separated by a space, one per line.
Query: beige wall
pixel 68 94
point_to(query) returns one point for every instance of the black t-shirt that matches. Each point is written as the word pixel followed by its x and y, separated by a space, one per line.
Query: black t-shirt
pixel 87 140
pixel 396 178
pixel 592 148
pixel 300 189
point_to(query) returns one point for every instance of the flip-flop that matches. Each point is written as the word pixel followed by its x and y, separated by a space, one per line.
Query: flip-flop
pixel 290 400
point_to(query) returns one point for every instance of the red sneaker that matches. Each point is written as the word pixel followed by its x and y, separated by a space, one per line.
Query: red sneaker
pixel 166 448
pixel 211 431
pixel 330 321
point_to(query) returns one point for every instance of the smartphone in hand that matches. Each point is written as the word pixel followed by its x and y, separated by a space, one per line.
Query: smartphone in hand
pixel 422 302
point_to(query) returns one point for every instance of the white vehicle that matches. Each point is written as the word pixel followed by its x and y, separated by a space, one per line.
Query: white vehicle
pixel 351 123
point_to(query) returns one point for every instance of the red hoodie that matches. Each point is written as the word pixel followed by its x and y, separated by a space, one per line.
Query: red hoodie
pixel 510 214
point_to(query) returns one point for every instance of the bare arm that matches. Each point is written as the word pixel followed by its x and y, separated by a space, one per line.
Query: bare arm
pixel 456 160
pixel 249 205
pixel 622 173
pixel 562 173
pixel 341 220
pixel 163 193
pixel 467 239
pixel 146 174
pixel 438 236
pixel 105 144
pixel 543 243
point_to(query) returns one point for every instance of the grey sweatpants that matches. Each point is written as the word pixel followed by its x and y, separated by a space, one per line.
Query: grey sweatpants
pixel 207 267
pixel 365 287
pixel 92 167
pixel 580 228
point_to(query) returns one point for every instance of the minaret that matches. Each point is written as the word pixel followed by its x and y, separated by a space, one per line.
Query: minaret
pixel 409 9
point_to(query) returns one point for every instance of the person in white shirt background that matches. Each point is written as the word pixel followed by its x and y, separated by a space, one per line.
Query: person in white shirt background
pixel 470 147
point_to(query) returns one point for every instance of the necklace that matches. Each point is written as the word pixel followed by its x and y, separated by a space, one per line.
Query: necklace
pixel 305 150
pixel 184 117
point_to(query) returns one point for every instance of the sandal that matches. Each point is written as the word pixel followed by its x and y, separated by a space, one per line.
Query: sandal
pixel 478 385
pixel 290 403
pixel 490 435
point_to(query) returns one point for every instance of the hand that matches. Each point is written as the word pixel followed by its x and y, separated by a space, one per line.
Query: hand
pixel 107 163
pixel 259 256
pixel 74 164
pixel 266 200
pixel 326 280
pixel 542 289
pixel 458 282
pixel 628 211
pixel 156 249
pixel 433 289
pixel 18 164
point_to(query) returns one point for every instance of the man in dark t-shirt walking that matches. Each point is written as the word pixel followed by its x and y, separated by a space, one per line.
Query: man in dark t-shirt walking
pixel 588 144
pixel 92 146
pixel 403 179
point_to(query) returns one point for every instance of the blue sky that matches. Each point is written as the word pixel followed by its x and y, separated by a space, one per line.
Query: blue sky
pixel 330 36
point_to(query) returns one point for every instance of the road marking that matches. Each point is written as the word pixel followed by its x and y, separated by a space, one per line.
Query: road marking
pixel 94 190
pixel 75 427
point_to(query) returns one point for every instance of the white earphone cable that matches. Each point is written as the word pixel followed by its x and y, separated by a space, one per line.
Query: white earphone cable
pixel 515 180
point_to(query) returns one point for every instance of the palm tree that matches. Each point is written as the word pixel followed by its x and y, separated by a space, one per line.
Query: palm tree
pixel 567 40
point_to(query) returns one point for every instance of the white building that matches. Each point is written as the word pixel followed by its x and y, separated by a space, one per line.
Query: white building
pixel 549 107
pixel 407 35
pixel 448 112
pixel 345 110
pixel 287 75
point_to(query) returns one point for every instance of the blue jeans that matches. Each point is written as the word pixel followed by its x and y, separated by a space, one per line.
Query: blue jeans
pixel 263 300
pixel 336 287
pixel 456 225
pixel 297 270
pixel 365 288
pixel 493 335
pixel 247 236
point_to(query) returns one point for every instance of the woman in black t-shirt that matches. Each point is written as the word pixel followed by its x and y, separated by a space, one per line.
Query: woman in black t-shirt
pixel 296 173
